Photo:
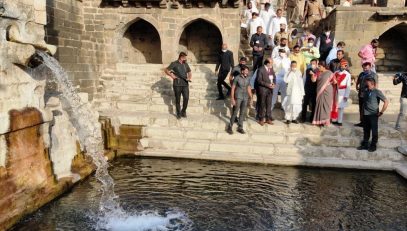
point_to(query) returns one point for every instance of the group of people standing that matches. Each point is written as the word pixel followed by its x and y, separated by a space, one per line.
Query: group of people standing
pixel 306 77
pixel 309 74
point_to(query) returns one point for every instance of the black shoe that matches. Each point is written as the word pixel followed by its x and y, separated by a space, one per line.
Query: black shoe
pixel 178 116
pixel 372 148
pixel 363 147
pixel 184 114
pixel 287 122
pixel 339 124
pixel 334 123
pixel 294 121
pixel 229 130
pixel 220 98
pixel 241 131
pixel 359 124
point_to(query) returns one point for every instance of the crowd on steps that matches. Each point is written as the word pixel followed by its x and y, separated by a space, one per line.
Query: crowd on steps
pixel 310 74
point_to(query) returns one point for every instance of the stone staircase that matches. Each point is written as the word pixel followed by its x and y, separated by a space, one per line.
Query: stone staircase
pixel 141 95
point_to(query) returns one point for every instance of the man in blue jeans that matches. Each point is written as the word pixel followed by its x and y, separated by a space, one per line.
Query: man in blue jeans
pixel 371 100
pixel 401 78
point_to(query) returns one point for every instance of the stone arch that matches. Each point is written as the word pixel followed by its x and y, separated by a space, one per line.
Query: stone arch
pixel 201 38
pixel 123 45
pixel 392 52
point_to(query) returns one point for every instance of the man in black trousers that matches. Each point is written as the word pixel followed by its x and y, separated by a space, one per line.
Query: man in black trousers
pixel 265 82
pixel 258 42
pixel 180 73
pixel 223 67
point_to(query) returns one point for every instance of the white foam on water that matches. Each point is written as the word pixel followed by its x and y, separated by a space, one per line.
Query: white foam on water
pixel 151 221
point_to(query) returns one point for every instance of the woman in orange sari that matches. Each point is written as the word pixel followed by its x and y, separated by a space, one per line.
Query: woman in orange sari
pixel 323 107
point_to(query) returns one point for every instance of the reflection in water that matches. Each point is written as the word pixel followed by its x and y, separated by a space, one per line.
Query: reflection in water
pixel 230 196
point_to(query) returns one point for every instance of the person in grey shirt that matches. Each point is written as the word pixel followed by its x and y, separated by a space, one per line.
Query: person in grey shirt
pixel 241 92
pixel 180 73
pixel 371 99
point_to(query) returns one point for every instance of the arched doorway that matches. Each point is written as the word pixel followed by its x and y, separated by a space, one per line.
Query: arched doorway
pixel 202 40
pixel 141 44
pixel 392 51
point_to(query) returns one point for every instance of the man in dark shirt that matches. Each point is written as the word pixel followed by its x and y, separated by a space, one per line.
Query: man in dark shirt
pixel 310 98
pixel 236 70
pixel 401 78
pixel 241 92
pixel 371 99
pixel 258 42
pixel 335 64
pixel 361 87
pixel 180 73
pixel 223 66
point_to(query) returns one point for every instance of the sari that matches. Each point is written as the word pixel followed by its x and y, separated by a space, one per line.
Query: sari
pixel 323 106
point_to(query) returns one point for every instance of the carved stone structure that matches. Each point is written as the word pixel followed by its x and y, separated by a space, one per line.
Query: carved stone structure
pixel 39 154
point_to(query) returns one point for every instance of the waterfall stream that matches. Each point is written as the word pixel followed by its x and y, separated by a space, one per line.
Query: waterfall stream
pixel 111 216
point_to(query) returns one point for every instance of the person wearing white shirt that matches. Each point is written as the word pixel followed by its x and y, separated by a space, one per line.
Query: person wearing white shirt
pixel 347 3
pixel 334 51
pixel 247 14
pixel 254 23
pixel 292 103
pixel 274 26
pixel 283 45
pixel 343 85
pixel 281 66
pixel 267 14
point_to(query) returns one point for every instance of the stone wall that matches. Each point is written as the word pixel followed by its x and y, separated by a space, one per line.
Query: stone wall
pixel 91 36
pixel 358 25
pixel 39 154
pixel 78 53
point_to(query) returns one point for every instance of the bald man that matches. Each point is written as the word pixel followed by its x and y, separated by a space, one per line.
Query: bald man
pixel 265 82
pixel 223 67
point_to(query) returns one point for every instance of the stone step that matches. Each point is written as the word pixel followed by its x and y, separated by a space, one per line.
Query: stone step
pixel 295 156
pixel 194 135
pixel 218 123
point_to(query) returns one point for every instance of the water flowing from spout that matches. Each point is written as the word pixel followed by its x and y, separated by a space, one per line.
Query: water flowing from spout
pixel 86 123
pixel 111 216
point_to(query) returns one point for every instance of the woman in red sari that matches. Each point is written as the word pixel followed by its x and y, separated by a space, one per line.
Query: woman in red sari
pixel 323 107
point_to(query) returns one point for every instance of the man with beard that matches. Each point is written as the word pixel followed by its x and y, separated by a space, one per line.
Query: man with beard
pixel 368 53
pixel 181 75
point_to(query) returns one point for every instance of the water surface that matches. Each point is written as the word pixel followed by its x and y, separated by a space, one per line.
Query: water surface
pixel 233 196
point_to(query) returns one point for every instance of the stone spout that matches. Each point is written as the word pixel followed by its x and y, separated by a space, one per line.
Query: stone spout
pixel 20 53
pixel 17 35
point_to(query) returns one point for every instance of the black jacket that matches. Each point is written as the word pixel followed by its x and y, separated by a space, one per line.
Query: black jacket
pixel 401 78
pixel 258 41
pixel 262 79
pixel 225 61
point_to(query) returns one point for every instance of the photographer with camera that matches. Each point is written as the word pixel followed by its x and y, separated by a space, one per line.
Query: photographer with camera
pixel 397 79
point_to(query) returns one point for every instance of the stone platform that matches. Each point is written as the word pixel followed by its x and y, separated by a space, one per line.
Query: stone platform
pixel 141 95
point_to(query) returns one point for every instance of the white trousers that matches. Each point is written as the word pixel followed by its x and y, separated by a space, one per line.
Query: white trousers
pixel 340 114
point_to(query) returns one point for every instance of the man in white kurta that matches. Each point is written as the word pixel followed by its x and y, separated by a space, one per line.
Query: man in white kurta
pixel 274 26
pixel 283 45
pixel 281 65
pixel 344 81
pixel 247 14
pixel 292 103
pixel 255 22
pixel 267 14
